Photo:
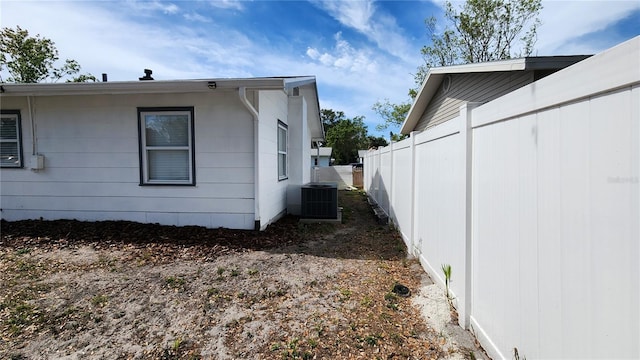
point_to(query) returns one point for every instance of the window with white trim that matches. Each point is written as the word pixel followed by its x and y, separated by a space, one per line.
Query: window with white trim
pixel 10 139
pixel 283 131
pixel 166 146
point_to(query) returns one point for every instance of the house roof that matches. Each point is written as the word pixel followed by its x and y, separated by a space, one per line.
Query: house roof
pixel 435 76
pixel 324 151
pixel 307 85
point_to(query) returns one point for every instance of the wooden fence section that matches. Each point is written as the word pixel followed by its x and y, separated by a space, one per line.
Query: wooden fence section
pixel 533 199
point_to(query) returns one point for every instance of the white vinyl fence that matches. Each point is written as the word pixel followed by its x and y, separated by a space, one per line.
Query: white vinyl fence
pixel 533 199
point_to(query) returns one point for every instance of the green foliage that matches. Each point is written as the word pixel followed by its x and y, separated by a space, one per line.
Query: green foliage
pixel 346 136
pixel 175 282
pixel 446 269
pixel 31 59
pixel 481 30
pixel 375 142
pixel 100 300
pixel 392 114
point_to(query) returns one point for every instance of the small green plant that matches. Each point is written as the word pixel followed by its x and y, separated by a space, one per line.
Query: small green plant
pixel 175 282
pixel 220 271
pixel 235 272
pixel 212 291
pixel 446 269
pixel 313 343
pixel 345 293
pixel 293 344
pixel 252 271
pixel 372 339
pixel 392 301
pixel 366 301
pixel 176 344
pixel 100 300
pixel 276 346
pixel 390 296
pixel 23 251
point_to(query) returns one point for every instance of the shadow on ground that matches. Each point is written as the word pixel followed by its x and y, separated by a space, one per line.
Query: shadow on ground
pixel 359 236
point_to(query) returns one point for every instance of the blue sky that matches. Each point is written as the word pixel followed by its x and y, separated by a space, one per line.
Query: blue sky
pixel 361 51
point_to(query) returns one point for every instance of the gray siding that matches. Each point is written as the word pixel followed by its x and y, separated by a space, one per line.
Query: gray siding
pixel 464 88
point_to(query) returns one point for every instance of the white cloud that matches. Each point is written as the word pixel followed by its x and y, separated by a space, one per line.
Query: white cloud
pixel 345 57
pixel 354 14
pixel 164 7
pixel 564 22
pixel 227 4
pixel 196 17
pixel 370 21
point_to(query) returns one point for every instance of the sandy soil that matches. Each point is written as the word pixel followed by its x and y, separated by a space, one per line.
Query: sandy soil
pixel 118 290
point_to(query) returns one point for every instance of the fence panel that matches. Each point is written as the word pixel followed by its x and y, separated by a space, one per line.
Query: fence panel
pixel 544 246
pixel 401 187
pixel 439 204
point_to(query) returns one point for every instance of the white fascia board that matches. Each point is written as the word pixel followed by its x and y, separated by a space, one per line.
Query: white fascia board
pixel 491 66
pixel 297 81
pixel 139 87
pixel 428 89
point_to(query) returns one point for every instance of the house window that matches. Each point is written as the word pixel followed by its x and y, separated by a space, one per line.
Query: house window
pixel 10 139
pixel 282 151
pixel 166 146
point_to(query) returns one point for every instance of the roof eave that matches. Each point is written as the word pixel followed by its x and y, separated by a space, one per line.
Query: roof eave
pixel 147 87
pixel 435 75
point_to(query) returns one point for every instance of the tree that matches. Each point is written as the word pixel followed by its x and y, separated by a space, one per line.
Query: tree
pixel 32 59
pixel 346 136
pixel 393 116
pixel 375 142
pixel 482 30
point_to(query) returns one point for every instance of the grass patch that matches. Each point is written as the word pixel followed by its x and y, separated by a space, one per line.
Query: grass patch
pixel 175 282
pixel 100 300
pixel 23 251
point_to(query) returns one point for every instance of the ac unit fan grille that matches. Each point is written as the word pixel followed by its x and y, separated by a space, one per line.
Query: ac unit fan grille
pixel 320 201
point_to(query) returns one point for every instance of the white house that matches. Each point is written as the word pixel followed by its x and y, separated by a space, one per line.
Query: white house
pixel 321 156
pixel 216 152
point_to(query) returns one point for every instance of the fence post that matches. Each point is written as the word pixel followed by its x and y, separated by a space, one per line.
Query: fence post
pixel 390 192
pixel 412 232
pixel 466 131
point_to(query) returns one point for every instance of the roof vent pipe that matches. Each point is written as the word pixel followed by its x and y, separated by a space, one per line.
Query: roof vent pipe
pixel 147 75
pixel 104 77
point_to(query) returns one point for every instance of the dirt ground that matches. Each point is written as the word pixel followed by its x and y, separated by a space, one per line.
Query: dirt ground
pixel 121 290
